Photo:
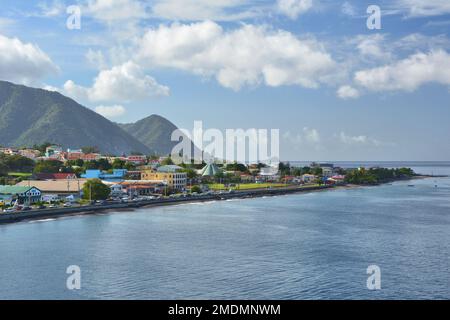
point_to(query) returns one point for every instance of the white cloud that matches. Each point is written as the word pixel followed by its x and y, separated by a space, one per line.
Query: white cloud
pixel 50 88
pixel 373 46
pixel 348 9
pixel 408 74
pixel 294 8
pixel 362 140
pixel 247 56
pixel 123 83
pixel 23 62
pixel 347 92
pixel 311 135
pixel 307 136
pixel 111 11
pixel 420 8
pixel 96 59
pixel 110 111
pixel 197 10
pixel 53 9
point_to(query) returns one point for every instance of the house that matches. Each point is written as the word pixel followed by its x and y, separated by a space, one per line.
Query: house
pixel 337 179
pixel 59 187
pixel 29 153
pixel 327 172
pixel 79 155
pixel 20 194
pixel 8 151
pixel 137 159
pixel 51 151
pixel 117 190
pixel 116 176
pixel 247 178
pixel 141 188
pixel 268 174
pixel 172 175
pixel 308 178
pixel 55 176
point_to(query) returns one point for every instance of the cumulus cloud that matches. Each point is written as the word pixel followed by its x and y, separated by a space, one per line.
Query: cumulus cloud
pixel 110 111
pixel 347 92
pixel 294 8
pixel 372 46
pixel 247 56
pixel 123 83
pixel 408 74
pixel 96 59
pixel 23 62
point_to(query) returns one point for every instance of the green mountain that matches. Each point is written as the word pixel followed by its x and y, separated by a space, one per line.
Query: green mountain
pixel 31 116
pixel 154 132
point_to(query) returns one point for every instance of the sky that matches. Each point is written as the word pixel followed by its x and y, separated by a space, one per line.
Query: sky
pixel 335 88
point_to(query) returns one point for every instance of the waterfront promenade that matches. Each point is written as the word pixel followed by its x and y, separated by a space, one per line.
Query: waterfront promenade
pixel 92 209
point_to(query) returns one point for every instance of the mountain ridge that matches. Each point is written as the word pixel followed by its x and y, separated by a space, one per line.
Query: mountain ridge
pixel 30 116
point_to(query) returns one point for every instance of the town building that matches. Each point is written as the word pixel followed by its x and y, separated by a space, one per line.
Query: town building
pixel 268 174
pixel 137 159
pixel 20 194
pixel 55 176
pixel 171 175
pixel 308 178
pixel 117 175
pixel 59 187
pixel 210 170
pixel 141 188
pixel 29 153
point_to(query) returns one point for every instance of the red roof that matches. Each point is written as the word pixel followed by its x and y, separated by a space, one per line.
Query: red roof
pixel 55 176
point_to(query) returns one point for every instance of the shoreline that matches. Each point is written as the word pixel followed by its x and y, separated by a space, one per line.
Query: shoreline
pixel 55 213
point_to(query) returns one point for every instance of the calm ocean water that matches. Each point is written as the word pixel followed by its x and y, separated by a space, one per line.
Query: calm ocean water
pixel 306 246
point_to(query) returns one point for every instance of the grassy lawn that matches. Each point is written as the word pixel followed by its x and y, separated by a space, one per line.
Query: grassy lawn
pixel 246 186
pixel 19 174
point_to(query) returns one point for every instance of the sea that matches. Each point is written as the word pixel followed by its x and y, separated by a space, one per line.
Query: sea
pixel 317 245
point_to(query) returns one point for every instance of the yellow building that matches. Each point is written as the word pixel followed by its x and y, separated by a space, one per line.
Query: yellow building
pixel 170 175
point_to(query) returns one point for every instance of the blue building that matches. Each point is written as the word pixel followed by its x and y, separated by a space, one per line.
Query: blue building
pixel 118 175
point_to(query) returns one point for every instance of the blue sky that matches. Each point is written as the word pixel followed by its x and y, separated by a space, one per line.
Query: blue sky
pixel 311 68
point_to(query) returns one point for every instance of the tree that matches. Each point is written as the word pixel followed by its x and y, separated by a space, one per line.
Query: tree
pixel 3 169
pixel 91 149
pixel 95 189
pixel 48 166
pixel 317 171
pixel 42 147
pixel 191 173
pixel 18 163
pixel 196 189
pixel 118 163
pixel 167 161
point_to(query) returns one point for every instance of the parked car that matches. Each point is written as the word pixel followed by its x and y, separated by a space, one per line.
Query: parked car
pixel 67 204
pixel 8 210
